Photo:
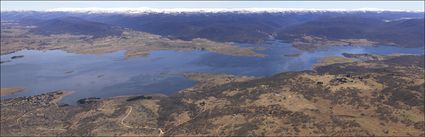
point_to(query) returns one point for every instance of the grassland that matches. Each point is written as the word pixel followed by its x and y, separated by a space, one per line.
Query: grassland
pixel 15 37
pixel 360 98
pixel 10 90
pixel 311 43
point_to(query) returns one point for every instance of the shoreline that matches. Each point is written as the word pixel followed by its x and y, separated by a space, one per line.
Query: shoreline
pixel 10 90
pixel 222 100
pixel 135 43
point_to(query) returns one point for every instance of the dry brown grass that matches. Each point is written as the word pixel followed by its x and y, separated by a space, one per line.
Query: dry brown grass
pixel 135 43
pixel 11 90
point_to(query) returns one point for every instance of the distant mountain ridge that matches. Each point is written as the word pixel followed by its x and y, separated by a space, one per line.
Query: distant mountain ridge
pixel 405 33
pixel 256 27
pixel 141 10
pixel 75 25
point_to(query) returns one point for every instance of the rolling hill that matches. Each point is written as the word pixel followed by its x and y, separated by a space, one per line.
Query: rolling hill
pixel 369 98
pixel 246 27
pixel 404 32
pixel 76 26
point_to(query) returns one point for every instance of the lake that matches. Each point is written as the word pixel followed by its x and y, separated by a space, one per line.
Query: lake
pixel 110 74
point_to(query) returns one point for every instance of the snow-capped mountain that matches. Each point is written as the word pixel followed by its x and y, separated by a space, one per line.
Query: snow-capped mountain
pixel 245 25
pixel 146 10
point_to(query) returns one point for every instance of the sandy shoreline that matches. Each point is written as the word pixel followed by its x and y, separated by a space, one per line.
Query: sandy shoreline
pixel 10 90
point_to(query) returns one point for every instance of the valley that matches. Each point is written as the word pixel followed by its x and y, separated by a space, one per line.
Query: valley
pixel 232 72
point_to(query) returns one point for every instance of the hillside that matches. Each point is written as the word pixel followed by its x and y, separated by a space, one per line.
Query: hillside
pixel 231 26
pixel 404 32
pixel 73 38
pixel 76 26
pixel 372 97
pixel 218 27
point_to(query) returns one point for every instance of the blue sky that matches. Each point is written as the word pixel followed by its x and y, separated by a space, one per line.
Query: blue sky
pixel 43 5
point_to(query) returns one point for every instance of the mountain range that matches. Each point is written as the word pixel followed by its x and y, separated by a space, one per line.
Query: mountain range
pixel 399 28
pixel 76 26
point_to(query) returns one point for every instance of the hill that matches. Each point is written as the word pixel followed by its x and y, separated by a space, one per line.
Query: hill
pixel 251 27
pixel 404 32
pixel 222 27
pixel 76 26
pixel 372 97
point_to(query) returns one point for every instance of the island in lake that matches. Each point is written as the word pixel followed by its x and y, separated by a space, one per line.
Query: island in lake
pixel 221 73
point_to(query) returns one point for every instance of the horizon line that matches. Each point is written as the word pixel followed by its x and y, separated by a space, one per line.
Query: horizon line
pixel 135 10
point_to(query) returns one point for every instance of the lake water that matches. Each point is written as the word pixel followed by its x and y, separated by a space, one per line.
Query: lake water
pixel 110 74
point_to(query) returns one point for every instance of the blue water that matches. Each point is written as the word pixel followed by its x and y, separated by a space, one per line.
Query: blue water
pixel 110 74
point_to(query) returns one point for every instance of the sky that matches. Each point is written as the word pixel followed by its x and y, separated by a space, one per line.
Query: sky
pixel 46 5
